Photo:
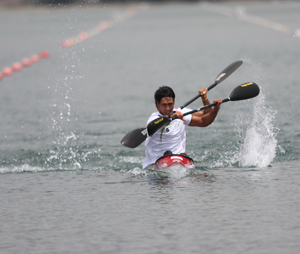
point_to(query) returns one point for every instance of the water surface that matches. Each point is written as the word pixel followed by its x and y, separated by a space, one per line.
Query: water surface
pixel 67 184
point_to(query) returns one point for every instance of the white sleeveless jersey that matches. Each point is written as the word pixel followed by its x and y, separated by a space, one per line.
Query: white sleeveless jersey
pixel 170 137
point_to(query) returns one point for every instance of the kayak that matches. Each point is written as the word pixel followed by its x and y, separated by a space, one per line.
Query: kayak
pixel 172 160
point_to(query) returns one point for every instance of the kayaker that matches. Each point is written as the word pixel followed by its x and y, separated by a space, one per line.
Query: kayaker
pixel 171 139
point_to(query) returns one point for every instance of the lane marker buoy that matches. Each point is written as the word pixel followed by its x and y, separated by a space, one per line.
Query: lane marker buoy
pixel 17 66
pixel 26 62
pixel 44 54
pixel 34 58
pixel 7 71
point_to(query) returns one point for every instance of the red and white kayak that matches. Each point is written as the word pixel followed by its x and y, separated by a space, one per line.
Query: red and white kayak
pixel 172 160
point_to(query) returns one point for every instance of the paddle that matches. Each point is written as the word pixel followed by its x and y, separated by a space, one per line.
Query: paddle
pixel 138 136
pixel 241 92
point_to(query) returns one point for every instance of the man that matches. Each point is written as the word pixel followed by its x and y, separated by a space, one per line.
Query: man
pixel 172 137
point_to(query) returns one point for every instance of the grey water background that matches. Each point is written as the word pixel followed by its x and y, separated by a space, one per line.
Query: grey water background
pixel 67 185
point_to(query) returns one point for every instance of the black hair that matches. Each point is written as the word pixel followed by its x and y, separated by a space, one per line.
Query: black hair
pixel 163 91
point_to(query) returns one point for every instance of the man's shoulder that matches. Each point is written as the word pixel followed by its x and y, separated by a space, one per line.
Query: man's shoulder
pixel 153 116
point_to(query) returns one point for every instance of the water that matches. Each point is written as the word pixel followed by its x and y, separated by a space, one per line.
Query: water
pixel 67 184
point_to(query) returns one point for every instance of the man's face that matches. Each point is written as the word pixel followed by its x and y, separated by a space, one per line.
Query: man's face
pixel 165 106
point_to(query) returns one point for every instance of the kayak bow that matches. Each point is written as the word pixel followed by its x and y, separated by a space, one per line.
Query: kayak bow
pixel 174 159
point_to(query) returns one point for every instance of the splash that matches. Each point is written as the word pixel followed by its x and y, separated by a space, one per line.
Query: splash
pixel 20 169
pixel 257 135
pixel 254 144
pixel 66 151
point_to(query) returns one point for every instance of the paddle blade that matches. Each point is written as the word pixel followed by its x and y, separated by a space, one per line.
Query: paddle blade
pixel 227 71
pixel 244 91
pixel 134 138
pixel 156 124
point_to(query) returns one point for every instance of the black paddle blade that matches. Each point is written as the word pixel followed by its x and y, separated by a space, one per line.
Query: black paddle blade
pixel 156 124
pixel 228 71
pixel 134 138
pixel 244 91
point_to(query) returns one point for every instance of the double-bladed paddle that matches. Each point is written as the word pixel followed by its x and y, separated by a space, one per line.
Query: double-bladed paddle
pixel 241 92
pixel 138 136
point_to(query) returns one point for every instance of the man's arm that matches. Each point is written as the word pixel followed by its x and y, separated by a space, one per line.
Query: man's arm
pixel 206 119
pixel 205 101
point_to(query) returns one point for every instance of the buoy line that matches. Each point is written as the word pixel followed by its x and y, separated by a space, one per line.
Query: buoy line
pixel 24 63
pixel 104 25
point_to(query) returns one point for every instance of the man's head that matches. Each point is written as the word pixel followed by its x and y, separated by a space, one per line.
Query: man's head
pixel 164 100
